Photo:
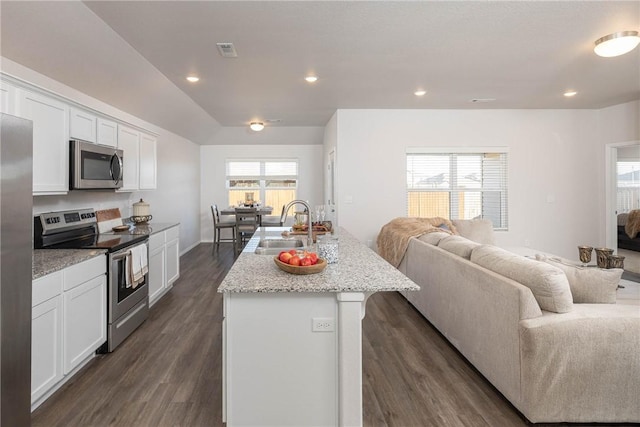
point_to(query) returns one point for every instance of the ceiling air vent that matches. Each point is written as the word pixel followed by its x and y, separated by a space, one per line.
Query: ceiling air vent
pixel 481 100
pixel 227 50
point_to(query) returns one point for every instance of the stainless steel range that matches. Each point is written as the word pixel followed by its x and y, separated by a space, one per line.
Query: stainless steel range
pixel 77 229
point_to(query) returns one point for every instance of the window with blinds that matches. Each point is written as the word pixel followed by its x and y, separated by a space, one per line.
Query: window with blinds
pixel 458 185
pixel 270 182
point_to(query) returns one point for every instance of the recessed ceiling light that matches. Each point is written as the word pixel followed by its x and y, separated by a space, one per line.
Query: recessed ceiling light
pixel 193 79
pixel 570 93
pixel 617 44
pixel 256 126
pixel 420 92
pixel 311 79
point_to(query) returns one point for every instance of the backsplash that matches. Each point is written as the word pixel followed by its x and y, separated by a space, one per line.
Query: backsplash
pixel 97 200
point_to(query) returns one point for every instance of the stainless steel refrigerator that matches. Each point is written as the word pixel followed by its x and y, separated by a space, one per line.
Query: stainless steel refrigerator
pixel 16 246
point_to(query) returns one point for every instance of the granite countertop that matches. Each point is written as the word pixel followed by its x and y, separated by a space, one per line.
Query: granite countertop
pixel 359 269
pixel 47 261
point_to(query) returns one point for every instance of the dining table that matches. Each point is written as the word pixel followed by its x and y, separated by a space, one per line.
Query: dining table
pixel 260 211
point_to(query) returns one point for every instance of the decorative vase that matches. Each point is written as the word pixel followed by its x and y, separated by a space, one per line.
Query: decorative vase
pixel 602 256
pixel 585 254
pixel 615 261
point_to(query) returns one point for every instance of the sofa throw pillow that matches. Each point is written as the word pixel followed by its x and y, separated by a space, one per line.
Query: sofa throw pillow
pixel 548 283
pixel 478 230
pixel 588 285
pixel 458 245
pixel 433 238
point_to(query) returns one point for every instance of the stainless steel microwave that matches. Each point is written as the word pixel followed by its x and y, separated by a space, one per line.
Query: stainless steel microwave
pixel 94 167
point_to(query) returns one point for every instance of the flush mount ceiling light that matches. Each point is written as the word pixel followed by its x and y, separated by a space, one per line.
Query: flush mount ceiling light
pixel 193 79
pixel 570 93
pixel 420 92
pixel 256 126
pixel 616 44
pixel 311 79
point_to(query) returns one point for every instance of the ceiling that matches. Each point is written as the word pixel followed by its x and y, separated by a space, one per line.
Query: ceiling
pixel 135 55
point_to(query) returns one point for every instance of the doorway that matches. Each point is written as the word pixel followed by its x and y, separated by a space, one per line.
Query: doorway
pixel 623 196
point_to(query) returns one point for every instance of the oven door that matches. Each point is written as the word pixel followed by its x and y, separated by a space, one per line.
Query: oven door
pixel 94 166
pixel 123 297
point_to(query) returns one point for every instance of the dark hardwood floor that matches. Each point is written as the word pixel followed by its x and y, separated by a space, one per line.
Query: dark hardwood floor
pixel 168 373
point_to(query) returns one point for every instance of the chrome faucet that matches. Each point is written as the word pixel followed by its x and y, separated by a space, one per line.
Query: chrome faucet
pixel 309 225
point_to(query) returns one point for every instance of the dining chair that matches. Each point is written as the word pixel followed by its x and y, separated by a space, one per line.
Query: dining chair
pixel 218 226
pixel 272 220
pixel 246 225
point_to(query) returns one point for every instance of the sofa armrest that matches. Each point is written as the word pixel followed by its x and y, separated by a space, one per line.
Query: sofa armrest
pixel 582 366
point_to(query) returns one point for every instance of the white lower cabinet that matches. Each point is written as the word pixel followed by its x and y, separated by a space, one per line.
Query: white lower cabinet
pixel 84 321
pixel 164 262
pixel 69 323
pixel 46 334
pixel 157 267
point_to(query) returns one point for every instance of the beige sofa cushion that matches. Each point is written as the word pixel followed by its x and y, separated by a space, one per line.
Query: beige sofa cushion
pixel 458 245
pixel 548 284
pixel 588 285
pixel 478 230
pixel 433 238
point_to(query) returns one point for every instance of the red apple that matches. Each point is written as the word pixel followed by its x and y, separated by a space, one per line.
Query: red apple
pixel 294 260
pixel 284 256
pixel 306 261
pixel 293 252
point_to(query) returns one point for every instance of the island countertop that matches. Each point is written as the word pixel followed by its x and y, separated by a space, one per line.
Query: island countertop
pixel 359 269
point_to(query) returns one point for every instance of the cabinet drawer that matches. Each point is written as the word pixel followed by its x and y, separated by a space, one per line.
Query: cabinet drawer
pixel 86 270
pixel 173 233
pixel 46 287
pixel 156 241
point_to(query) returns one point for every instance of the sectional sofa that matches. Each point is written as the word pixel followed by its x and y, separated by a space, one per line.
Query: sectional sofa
pixel 558 351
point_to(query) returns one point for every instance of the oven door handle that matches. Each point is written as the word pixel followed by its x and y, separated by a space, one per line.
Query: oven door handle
pixel 121 256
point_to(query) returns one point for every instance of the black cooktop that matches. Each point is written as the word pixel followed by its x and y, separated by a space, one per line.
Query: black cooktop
pixel 110 242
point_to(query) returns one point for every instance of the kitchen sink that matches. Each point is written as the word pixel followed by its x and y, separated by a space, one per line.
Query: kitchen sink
pixel 275 246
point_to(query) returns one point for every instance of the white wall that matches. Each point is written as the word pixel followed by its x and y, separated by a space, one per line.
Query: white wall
pixel 554 157
pixel 212 174
pixel 177 197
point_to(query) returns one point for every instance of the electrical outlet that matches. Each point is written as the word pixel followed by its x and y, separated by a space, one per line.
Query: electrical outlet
pixel 323 324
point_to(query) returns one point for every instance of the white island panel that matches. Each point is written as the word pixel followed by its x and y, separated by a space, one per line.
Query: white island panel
pixel 280 372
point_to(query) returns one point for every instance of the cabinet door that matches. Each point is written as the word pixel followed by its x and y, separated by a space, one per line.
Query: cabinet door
pixel 83 125
pixel 46 346
pixel 7 98
pixel 50 142
pixel 84 321
pixel 173 261
pixel 157 276
pixel 107 132
pixel 129 142
pixel 147 162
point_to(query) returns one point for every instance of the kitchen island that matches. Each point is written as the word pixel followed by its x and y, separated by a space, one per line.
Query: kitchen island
pixel 292 344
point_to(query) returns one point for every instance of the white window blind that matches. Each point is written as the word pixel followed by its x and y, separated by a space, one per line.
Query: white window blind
pixel 458 185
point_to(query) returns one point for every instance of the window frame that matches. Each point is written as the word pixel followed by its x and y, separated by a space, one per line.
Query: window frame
pixel 452 189
pixel 262 178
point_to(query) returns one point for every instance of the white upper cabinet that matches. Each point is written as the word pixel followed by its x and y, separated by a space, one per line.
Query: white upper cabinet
pixel 82 125
pixel 107 132
pixel 129 142
pixel 147 162
pixel 50 141
pixel 7 98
